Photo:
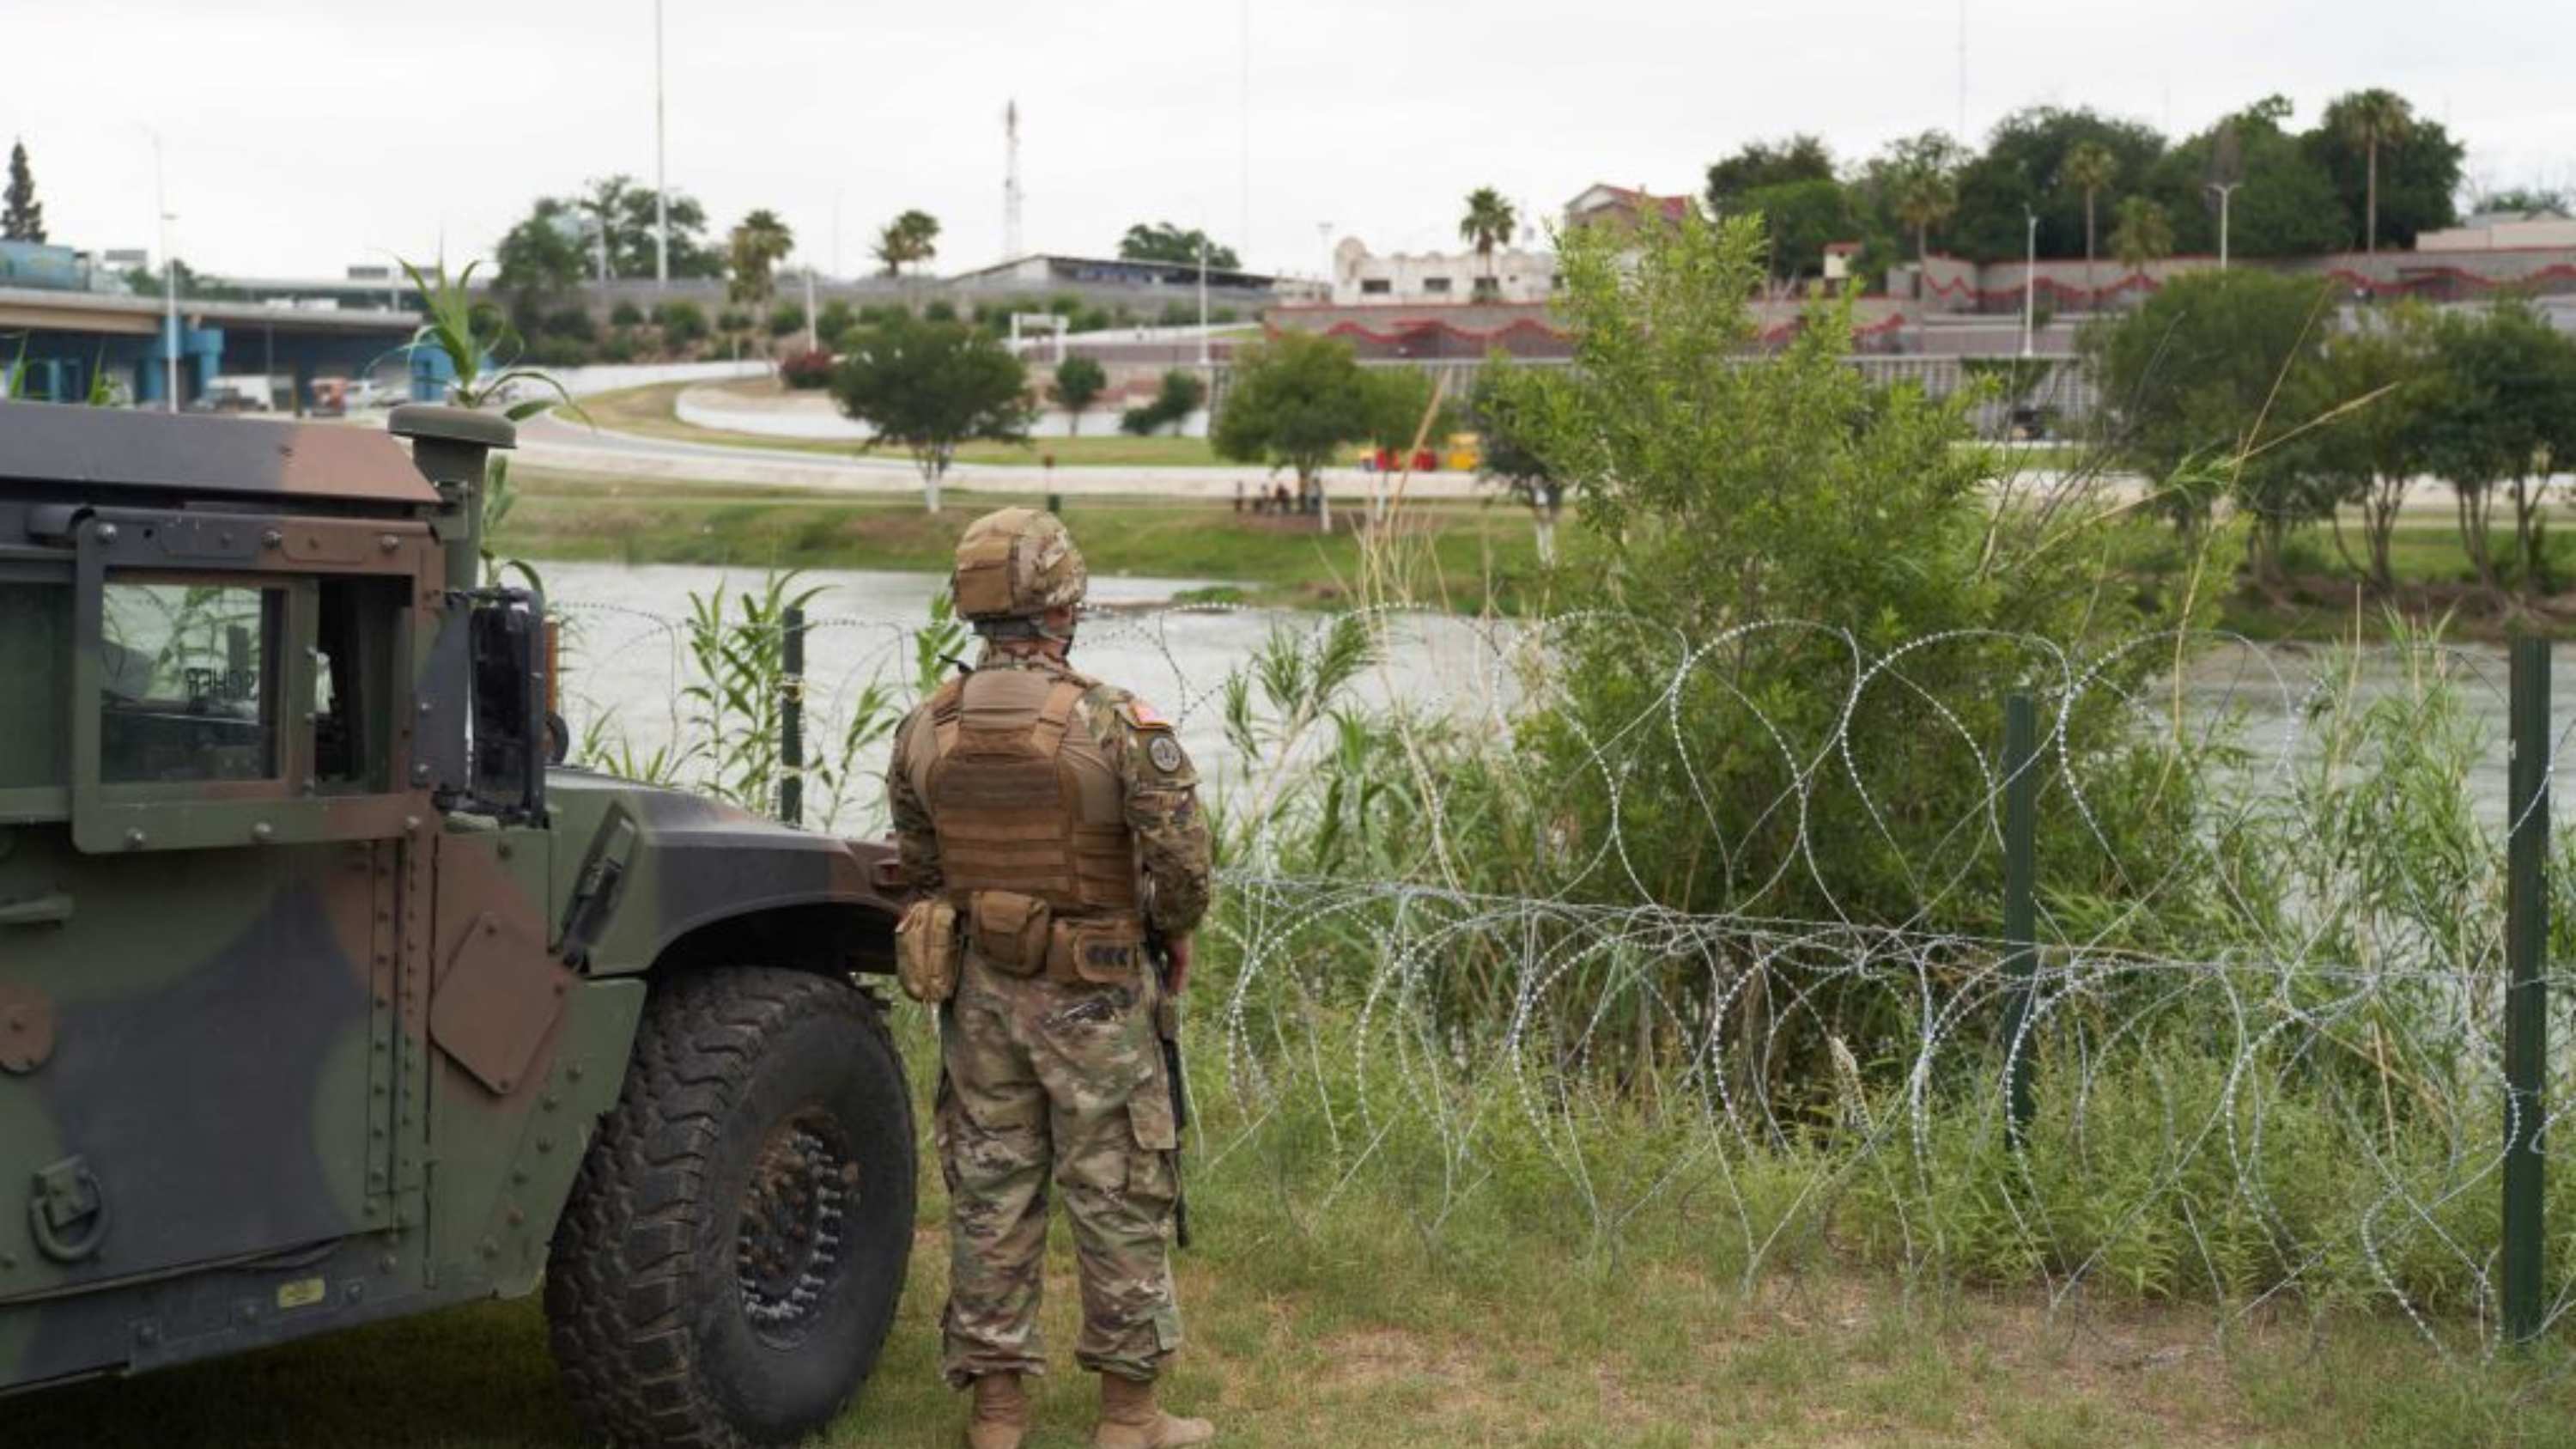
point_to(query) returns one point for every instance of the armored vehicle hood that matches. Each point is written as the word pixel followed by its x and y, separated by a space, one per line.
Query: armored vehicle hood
pixel 93 449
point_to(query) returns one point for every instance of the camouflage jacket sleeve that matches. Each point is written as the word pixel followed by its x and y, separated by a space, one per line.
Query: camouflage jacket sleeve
pixel 1173 849
pixel 916 843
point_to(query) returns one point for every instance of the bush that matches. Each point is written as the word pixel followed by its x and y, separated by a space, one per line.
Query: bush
pixel 941 310
pixel 620 346
pixel 1093 319
pixel 805 371
pixel 1181 394
pixel 786 317
pixel 569 322
pixel 625 314
pixel 833 321
pixel 683 324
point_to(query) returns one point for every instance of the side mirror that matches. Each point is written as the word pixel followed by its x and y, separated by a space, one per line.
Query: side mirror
pixel 508 746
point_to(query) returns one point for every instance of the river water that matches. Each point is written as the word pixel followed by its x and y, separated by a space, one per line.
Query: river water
pixel 626 666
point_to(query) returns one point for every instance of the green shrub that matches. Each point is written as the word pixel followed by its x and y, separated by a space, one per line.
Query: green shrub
pixel 786 317
pixel 683 324
pixel 625 314
pixel 939 310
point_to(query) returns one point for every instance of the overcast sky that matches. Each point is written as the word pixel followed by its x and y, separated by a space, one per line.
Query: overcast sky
pixel 304 136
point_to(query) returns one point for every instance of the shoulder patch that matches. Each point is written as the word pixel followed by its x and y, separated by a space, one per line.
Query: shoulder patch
pixel 1166 754
pixel 1144 716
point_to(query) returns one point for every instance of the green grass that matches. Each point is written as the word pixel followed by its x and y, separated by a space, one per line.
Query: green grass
pixel 1468 554
pixel 1350 1324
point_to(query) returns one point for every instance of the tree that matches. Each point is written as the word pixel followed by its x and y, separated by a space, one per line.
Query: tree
pixel 2376 387
pixel 929 386
pixel 2201 385
pixel 2140 232
pixel 1747 531
pixel 1501 414
pixel 2019 168
pixel 1488 223
pixel 1297 399
pixel 910 238
pixel 1161 241
pixel 2400 177
pixel 1767 163
pixel 1079 382
pixel 2088 168
pixel 755 248
pixel 683 324
pixel 22 216
pixel 540 259
pixel 2371 119
pixel 2525 200
pixel 2282 204
pixel 2503 413
pixel 625 210
pixel 1179 396
pixel 1800 217
pixel 1925 199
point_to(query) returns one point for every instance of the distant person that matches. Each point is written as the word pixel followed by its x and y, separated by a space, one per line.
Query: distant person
pixel 1059 818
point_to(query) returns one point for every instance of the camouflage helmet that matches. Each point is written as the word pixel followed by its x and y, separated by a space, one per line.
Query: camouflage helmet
pixel 1017 564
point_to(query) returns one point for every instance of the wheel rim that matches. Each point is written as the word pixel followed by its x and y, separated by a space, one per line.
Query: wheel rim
pixel 793 1242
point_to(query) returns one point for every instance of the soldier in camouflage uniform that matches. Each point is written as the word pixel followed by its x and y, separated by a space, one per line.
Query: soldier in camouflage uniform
pixel 1059 815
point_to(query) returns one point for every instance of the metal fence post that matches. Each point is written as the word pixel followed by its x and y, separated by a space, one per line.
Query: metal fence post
pixel 2526 1002
pixel 791 721
pixel 2021 915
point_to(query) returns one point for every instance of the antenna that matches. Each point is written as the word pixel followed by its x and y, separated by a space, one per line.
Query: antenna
pixel 1963 72
pixel 1011 181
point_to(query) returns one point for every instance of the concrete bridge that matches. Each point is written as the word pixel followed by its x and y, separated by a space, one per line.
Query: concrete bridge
pixel 70 336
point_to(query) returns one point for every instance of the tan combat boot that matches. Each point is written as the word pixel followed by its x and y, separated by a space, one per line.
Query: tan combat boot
pixel 1001 1416
pixel 1129 1419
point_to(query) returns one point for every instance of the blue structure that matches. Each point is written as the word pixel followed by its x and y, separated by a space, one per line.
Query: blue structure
pixel 68 336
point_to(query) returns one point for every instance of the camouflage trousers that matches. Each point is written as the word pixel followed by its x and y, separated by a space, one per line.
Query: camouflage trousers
pixel 1044 1082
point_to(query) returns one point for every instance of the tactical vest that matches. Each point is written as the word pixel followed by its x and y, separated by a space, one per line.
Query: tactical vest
pixel 1021 801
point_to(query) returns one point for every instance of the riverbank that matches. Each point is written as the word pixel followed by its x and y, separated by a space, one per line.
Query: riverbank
pixel 649 412
pixel 1470 557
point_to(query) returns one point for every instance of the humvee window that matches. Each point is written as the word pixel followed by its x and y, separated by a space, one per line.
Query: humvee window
pixel 188 686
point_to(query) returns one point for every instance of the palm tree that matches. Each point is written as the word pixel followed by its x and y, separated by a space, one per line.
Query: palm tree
pixel 911 237
pixel 2140 232
pixel 756 247
pixel 1488 222
pixel 1926 197
pixel 2372 119
pixel 2088 168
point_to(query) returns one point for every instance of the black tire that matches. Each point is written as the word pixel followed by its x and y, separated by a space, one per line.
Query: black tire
pixel 683 1309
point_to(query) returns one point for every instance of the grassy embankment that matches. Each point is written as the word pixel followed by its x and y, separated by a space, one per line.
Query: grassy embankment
pixel 1484 553
pixel 1324 1313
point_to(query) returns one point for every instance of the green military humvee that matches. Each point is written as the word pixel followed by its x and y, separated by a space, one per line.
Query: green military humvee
pixel 323 999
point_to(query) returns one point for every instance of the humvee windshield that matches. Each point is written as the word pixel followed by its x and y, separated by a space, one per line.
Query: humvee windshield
pixel 188 686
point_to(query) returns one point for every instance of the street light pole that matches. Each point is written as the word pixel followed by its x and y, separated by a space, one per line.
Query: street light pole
pixel 2225 190
pixel 661 175
pixel 812 344
pixel 169 287
pixel 1203 333
pixel 2029 278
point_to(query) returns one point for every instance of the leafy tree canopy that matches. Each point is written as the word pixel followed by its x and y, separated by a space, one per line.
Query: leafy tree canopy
pixel 1161 241
pixel 2021 166
pixel 22 216
pixel 929 386
pixel 2419 171
pixel 2284 204
pixel 1767 163
pixel 1296 400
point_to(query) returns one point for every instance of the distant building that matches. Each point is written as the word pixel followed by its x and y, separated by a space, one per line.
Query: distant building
pixel 2496 231
pixel 1512 274
pixel 1047 269
pixel 1621 206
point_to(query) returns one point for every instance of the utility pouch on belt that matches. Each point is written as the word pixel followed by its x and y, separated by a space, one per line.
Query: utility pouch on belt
pixel 1099 952
pixel 925 951
pixel 1011 931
